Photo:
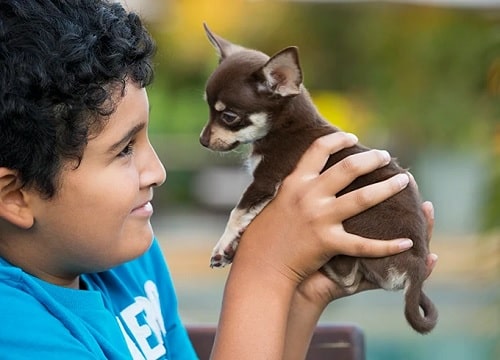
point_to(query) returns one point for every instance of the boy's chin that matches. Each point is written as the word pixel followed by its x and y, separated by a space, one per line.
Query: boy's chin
pixel 136 246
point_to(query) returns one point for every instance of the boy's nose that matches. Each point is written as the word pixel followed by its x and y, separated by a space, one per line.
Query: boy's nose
pixel 156 173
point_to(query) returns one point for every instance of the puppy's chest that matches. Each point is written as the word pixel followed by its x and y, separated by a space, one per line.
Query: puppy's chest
pixel 252 162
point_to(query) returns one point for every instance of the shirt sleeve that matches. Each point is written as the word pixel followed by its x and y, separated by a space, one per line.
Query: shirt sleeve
pixel 29 329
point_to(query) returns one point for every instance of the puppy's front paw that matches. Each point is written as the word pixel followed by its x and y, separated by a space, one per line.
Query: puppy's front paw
pixel 220 260
pixel 224 251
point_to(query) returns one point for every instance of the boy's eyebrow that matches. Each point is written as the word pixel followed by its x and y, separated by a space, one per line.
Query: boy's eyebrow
pixel 126 139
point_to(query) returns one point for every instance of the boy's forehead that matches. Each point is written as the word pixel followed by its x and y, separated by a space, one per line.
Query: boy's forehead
pixel 131 106
pixel 131 111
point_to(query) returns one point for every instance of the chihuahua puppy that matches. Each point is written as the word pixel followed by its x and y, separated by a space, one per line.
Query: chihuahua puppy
pixel 260 100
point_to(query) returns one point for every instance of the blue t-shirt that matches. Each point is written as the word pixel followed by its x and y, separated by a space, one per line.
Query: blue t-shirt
pixel 128 312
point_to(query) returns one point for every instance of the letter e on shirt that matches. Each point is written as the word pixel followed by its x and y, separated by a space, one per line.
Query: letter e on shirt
pixel 145 324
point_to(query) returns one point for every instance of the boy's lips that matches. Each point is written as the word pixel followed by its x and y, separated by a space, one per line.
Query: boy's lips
pixel 145 208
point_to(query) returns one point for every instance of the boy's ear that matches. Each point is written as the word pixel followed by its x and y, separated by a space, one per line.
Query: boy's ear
pixel 282 72
pixel 13 205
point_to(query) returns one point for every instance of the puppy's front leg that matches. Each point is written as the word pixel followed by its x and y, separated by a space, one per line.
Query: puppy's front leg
pixel 241 216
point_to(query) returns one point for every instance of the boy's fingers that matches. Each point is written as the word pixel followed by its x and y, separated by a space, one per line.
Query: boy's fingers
pixel 358 246
pixel 316 156
pixel 348 169
pixel 432 258
pixel 428 210
pixel 357 201
pixel 431 263
pixel 412 180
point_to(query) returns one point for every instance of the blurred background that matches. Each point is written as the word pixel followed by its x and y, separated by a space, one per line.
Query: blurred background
pixel 419 78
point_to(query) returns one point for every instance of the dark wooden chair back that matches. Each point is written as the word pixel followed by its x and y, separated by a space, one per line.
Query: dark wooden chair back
pixel 329 342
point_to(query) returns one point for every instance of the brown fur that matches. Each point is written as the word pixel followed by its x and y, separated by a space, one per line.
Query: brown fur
pixel 242 85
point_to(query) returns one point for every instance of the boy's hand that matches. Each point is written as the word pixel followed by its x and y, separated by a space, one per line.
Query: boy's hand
pixel 319 289
pixel 301 229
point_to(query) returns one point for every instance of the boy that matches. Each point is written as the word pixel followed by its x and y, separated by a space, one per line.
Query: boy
pixel 81 275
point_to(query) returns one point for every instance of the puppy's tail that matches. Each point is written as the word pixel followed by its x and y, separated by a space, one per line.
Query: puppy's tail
pixel 422 321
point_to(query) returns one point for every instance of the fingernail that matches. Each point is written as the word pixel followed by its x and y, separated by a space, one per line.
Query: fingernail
pixel 412 178
pixel 402 179
pixel 386 156
pixel 431 209
pixel 353 137
pixel 405 244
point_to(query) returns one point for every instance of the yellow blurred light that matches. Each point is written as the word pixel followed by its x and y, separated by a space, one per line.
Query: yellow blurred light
pixel 338 110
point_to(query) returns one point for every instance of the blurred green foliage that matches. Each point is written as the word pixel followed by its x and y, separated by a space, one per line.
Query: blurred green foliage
pixel 427 77
pixel 419 68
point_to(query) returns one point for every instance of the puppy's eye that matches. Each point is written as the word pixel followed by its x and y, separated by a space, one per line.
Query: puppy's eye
pixel 229 117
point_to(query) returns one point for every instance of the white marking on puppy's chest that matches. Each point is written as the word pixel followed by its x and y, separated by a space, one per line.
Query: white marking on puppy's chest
pixel 252 162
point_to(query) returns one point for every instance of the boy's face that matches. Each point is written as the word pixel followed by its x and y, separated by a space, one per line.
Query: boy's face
pixel 100 217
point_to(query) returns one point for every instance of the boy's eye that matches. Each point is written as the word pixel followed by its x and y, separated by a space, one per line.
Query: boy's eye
pixel 229 117
pixel 127 150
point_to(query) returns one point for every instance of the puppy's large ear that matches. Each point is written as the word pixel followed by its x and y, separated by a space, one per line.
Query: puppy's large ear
pixel 282 72
pixel 13 205
pixel 223 47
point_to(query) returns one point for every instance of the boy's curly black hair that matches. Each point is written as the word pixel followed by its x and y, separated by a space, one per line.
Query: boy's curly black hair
pixel 61 64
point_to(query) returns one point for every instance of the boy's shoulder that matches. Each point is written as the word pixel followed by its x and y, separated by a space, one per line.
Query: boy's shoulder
pixel 49 317
pixel 26 320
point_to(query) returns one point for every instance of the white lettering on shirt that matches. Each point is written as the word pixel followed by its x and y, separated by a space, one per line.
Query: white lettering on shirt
pixel 144 320
pixel 134 351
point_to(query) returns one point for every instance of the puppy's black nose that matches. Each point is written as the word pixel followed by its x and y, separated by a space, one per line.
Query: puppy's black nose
pixel 204 141
pixel 205 137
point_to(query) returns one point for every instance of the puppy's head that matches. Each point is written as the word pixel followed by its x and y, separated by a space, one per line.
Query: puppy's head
pixel 246 92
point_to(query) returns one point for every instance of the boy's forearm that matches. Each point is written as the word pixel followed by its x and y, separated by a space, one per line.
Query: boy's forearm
pixel 255 310
pixel 302 320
